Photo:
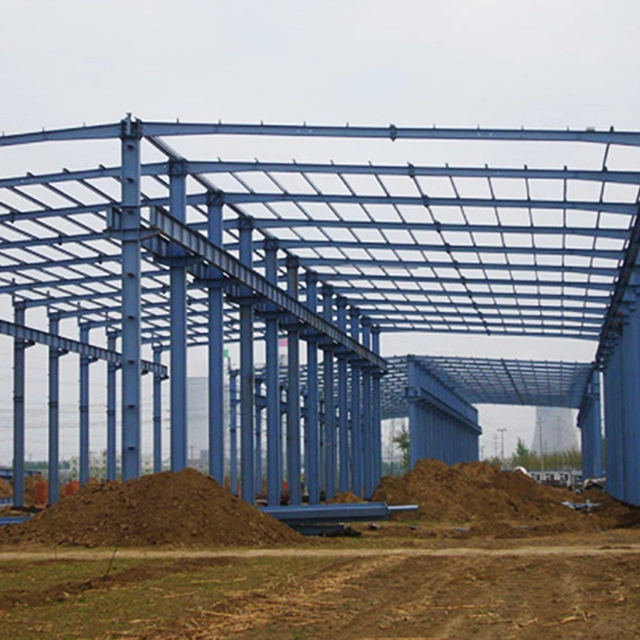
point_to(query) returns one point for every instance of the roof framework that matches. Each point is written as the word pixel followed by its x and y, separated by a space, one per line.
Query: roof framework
pixel 491 381
pixel 497 250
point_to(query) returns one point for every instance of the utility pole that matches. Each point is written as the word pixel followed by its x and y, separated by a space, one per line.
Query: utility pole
pixel 502 432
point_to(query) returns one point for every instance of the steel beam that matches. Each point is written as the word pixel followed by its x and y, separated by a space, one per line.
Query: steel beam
pixel 198 245
pixel 329 459
pixel 274 418
pixel 247 383
pixel 112 368
pixel 54 414
pixel 233 430
pixel 84 408
pixel 131 361
pixel 312 422
pixel 157 411
pixel 216 349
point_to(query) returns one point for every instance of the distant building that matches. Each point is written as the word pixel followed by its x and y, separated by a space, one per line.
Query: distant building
pixel 555 430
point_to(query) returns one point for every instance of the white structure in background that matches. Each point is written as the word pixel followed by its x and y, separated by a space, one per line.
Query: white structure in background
pixel 555 431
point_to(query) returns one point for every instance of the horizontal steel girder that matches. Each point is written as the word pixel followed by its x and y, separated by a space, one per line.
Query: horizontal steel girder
pixel 74 346
pixel 408 170
pixel 200 247
pixel 391 132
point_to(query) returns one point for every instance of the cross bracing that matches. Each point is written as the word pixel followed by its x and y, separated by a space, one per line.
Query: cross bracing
pixel 330 252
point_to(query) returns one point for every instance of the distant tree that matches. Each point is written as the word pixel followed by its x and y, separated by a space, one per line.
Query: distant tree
pixel 401 440
pixel 522 456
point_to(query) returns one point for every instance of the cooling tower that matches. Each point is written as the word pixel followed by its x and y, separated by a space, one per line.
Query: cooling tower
pixel 555 431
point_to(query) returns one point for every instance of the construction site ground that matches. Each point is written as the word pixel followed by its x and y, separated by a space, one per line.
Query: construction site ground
pixel 563 586
pixel 174 556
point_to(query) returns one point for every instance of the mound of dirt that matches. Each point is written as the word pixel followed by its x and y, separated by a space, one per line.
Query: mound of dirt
pixel 179 509
pixel 346 497
pixel 488 498
pixel 6 490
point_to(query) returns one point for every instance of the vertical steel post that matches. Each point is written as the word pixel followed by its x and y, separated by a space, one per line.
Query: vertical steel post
pixel 84 407
pixel 416 429
pixel 54 412
pixel 356 419
pixel 367 425
pixel 343 402
pixel 258 442
pixel 329 460
pixel 112 368
pixel 376 410
pixel 130 398
pixel 233 430
pixel 157 411
pixel 245 226
pixel 274 419
pixel 19 347
pixel 216 347
pixel 294 473
pixel 595 427
pixel 178 327
pixel 312 434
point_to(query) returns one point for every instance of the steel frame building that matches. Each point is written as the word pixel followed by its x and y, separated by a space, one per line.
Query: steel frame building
pixel 180 251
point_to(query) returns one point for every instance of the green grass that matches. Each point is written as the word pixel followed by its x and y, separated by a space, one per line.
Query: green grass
pixel 62 600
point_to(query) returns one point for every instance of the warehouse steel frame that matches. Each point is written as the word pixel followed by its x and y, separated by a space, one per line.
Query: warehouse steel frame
pixel 165 254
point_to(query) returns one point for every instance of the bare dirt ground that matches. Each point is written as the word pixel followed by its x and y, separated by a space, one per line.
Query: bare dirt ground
pixel 488 555
pixel 565 586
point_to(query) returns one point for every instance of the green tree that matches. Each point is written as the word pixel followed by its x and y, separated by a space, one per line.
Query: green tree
pixel 522 456
pixel 401 440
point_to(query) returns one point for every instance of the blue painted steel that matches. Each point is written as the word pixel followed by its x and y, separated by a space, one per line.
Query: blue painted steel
pixel 245 228
pixel 54 414
pixel 367 416
pixel 258 441
pixel 376 410
pixel 233 430
pixel 216 348
pixel 343 403
pixel 325 513
pixel 178 310
pixel 357 480
pixel 84 408
pixel 130 378
pixel 274 418
pixel 112 367
pixel 157 412
pixel 294 471
pixel 590 425
pixel 329 464
pixel 19 347
pixel 312 422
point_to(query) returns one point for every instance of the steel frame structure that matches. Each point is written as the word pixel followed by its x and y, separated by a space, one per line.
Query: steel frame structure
pixel 163 255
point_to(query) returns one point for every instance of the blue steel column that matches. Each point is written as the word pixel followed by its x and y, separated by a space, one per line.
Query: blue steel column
pixel 274 419
pixel 54 412
pixel 157 411
pixel 367 435
pixel 312 434
pixel 130 398
pixel 19 347
pixel 84 408
pixel 294 473
pixel 356 422
pixel 630 348
pixel 233 430
pixel 330 466
pixel 612 380
pixel 246 369
pixel 258 442
pixel 343 402
pixel 376 410
pixel 595 427
pixel 415 426
pixel 112 368
pixel 178 327
pixel 216 348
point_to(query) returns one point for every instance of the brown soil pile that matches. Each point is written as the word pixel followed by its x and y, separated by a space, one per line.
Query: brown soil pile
pixel 346 497
pixel 6 490
pixel 490 499
pixel 179 509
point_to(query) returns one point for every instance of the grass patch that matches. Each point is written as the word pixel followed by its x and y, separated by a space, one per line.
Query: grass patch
pixel 63 599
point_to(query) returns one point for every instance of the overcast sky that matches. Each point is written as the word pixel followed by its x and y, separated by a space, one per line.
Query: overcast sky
pixel 452 63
